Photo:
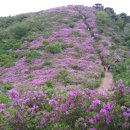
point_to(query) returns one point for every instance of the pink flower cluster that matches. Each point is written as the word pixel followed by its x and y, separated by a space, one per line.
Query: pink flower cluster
pixel 104 53
pixel 78 55
pixel 58 108
pixel 41 76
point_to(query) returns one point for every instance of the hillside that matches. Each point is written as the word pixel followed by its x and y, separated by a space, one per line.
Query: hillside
pixel 62 54
pixel 52 61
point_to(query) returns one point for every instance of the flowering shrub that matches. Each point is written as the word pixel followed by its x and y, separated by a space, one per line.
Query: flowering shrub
pixel 41 56
pixel 78 109
pixel 72 29
pixel 104 53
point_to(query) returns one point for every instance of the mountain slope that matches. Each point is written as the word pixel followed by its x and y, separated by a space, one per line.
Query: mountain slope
pixel 52 63
pixel 66 58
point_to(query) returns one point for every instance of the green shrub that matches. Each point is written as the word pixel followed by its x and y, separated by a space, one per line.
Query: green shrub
pixel 64 46
pixel 61 126
pixel 64 76
pixel 102 74
pixel 4 99
pixel 50 84
pixel 7 45
pixel 63 73
pixel 31 55
pixel 71 25
pixel 75 34
pixel 35 68
pixel 45 42
pixel 93 84
pixel 57 47
pixel 127 29
pixel 103 18
pixel 19 30
pixel 7 60
pixel 116 28
pixel 29 38
pixel 43 47
pixel 54 48
pixel 119 68
pixel 127 37
pixel 46 34
pixel 113 47
pixel 122 71
pixel 116 39
pixel 101 30
pixel 49 91
pixel 127 43
pixel 93 58
pixel 75 67
pixel 5 87
pixel 75 18
pixel 47 63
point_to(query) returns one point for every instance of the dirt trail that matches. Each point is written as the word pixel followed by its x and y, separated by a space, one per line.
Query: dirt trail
pixel 105 84
pixel 108 78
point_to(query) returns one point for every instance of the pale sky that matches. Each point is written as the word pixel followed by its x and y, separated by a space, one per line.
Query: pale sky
pixel 14 7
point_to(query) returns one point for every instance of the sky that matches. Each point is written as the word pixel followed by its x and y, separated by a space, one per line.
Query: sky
pixel 14 7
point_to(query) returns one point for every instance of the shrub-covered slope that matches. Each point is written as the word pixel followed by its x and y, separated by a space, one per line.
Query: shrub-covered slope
pixel 51 48
pixel 51 63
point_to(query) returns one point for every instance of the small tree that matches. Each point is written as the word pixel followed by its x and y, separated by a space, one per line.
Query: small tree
pixel 103 18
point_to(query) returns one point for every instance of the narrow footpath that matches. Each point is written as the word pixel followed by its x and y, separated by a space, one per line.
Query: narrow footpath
pixel 106 81
pixel 108 78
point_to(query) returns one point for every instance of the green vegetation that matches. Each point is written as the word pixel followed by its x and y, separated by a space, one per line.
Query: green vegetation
pixel 5 87
pixel 7 56
pixel 113 47
pixel 19 30
pixel 50 84
pixel 127 43
pixel 31 55
pixel 75 34
pixel 75 67
pixel 103 18
pixel 75 107
pixel 4 99
pixel 93 84
pixel 120 36
pixel 63 75
pixel 116 39
pixel 56 47
pixel 7 59
pixel 49 91
pixel 15 30
pixel 45 42
pixel 122 71
pixel 47 63
pixel 127 29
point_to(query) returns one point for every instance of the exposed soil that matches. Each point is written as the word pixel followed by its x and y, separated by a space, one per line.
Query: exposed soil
pixel 106 81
